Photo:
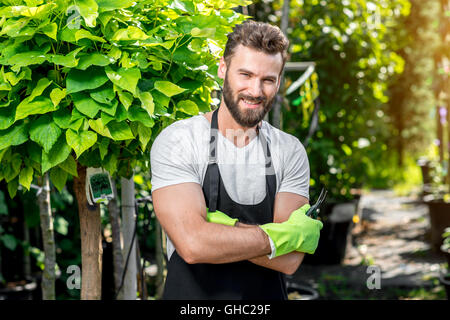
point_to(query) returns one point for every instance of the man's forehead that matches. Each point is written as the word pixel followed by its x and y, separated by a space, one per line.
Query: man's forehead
pixel 251 58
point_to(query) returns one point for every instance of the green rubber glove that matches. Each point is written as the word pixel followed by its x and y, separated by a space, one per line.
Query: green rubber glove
pixel 220 218
pixel 299 233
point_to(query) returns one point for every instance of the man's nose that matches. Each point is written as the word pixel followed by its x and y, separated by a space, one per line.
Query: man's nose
pixel 255 88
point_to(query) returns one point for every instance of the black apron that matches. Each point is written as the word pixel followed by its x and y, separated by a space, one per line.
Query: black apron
pixel 241 280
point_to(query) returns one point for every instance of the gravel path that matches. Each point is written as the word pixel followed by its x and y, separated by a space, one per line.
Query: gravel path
pixel 392 237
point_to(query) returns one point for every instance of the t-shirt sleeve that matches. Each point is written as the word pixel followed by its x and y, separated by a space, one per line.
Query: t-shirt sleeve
pixel 296 174
pixel 172 159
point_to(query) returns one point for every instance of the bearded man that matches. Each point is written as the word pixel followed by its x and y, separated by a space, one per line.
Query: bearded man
pixel 230 190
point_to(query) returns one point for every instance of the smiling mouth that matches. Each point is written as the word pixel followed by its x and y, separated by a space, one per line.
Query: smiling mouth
pixel 251 104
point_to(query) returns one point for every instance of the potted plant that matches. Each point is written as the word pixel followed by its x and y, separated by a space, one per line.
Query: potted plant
pixel 438 202
pixel 445 247
pixel 444 277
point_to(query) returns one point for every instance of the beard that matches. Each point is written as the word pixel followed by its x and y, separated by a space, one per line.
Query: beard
pixel 248 117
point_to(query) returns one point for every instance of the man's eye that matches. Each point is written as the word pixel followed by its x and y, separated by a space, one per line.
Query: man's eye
pixel 245 74
pixel 269 80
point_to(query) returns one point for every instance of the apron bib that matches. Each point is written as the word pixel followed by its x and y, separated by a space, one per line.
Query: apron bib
pixel 241 280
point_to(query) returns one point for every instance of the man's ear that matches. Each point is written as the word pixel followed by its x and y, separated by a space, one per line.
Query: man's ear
pixel 222 68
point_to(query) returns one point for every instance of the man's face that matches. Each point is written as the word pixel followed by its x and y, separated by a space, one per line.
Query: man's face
pixel 251 81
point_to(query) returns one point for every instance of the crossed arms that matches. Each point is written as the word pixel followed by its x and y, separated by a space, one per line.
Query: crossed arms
pixel 181 210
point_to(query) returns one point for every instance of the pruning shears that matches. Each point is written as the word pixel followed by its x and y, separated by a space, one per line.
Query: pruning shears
pixel 313 212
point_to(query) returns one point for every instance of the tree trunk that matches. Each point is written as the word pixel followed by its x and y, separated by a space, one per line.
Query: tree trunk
pixel 160 261
pixel 48 240
pixel 128 223
pixel 91 244
pixel 117 240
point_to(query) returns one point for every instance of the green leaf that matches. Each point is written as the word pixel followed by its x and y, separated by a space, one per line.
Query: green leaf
pixel 83 33
pixel 76 124
pixel 145 134
pixel 110 161
pixel 14 79
pixel 26 177
pixel 188 106
pixel 126 79
pixel 40 105
pixel 103 147
pixel 105 94
pixel 108 5
pixel 88 9
pixel 35 152
pixel 111 107
pixel 130 33
pixel 58 153
pixel 85 104
pixel 3 205
pixel 32 10
pixel 62 117
pixel 44 132
pixel 94 59
pixel 80 141
pixel 79 80
pixel 136 113
pixel 346 149
pixel 7 117
pixel 106 118
pixel 120 130
pixel 12 187
pixel 168 88
pixel 59 177
pixel 121 113
pixel 9 241
pixel 61 224
pixel 67 61
pixel 185 6
pixel 57 95
pixel 147 102
pixel 41 85
pixel 13 136
pixel 26 58
pixel 12 169
pixel 70 166
pixel 50 30
pixel 125 98
pixel 100 128
pixel 205 32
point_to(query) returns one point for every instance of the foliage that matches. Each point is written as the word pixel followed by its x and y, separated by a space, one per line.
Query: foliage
pixel 446 242
pixel 351 42
pixel 92 82
pixel 412 100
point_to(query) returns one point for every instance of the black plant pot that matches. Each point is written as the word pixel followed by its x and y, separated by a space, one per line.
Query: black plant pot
pixel 297 291
pixel 446 253
pixel 444 279
pixel 23 290
pixel 334 237
pixel 439 219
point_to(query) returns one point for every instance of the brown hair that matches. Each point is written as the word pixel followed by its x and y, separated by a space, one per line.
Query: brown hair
pixel 257 35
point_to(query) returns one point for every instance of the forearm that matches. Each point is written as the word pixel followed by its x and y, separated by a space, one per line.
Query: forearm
pixel 287 263
pixel 215 243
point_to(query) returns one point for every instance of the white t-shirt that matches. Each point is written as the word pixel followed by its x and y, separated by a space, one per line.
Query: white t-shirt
pixel 180 154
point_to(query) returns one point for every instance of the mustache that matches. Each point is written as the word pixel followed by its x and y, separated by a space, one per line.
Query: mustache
pixel 252 99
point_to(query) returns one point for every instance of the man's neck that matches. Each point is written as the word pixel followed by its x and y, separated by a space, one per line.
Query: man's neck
pixel 233 131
